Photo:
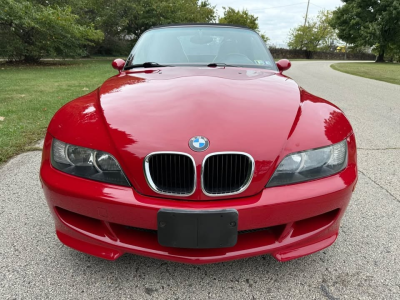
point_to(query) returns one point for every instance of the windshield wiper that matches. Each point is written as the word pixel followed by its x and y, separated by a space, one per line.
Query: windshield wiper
pixel 148 64
pixel 215 64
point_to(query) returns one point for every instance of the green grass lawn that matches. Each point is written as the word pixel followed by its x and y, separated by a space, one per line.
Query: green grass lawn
pixel 388 72
pixel 30 95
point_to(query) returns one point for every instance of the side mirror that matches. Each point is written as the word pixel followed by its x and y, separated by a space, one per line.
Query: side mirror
pixel 283 65
pixel 118 64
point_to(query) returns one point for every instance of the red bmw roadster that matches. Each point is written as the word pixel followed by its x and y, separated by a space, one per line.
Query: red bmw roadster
pixel 199 151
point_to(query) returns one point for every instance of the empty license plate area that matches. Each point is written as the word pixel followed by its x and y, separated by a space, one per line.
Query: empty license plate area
pixel 197 229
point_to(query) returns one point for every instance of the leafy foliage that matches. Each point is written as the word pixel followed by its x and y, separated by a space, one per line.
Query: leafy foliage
pixel 33 29
pixel 127 20
pixel 369 23
pixel 392 52
pixel 29 31
pixel 317 34
pixel 237 17
pixel 242 17
pixel 135 17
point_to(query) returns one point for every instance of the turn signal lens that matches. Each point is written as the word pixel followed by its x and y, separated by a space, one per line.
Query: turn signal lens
pixel 106 162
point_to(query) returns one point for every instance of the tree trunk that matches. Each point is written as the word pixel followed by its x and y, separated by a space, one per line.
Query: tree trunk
pixel 381 56
pixel 308 54
pixel 31 59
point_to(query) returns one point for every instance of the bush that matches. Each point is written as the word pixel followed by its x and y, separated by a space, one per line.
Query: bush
pixel 31 31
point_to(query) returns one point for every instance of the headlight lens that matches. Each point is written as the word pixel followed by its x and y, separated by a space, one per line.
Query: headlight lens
pixel 87 163
pixel 309 165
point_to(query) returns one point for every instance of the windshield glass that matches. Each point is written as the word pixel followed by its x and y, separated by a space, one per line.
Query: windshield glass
pixel 202 45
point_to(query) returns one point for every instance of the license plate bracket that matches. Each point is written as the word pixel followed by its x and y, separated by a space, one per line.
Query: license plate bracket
pixel 197 229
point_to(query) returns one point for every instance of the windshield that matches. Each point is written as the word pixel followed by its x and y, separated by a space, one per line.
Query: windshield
pixel 201 45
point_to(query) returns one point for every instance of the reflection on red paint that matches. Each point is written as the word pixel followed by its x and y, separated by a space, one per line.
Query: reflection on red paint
pixel 140 111
pixel 259 112
pixel 336 126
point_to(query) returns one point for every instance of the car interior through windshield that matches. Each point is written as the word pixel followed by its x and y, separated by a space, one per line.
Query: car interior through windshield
pixel 202 46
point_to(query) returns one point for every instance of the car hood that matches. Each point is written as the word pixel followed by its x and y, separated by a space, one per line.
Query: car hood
pixel 246 110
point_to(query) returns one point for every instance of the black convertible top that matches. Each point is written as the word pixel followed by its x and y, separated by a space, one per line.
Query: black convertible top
pixel 201 24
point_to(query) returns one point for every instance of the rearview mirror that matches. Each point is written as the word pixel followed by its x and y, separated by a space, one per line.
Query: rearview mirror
pixel 201 39
pixel 118 64
pixel 283 65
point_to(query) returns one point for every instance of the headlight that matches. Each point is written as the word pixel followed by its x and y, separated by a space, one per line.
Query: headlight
pixel 87 163
pixel 311 164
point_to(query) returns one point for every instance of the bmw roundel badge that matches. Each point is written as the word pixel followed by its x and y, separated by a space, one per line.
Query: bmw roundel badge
pixel 199 143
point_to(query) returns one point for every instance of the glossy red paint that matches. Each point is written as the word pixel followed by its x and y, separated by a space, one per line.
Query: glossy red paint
pixel 132 112
pixel 118 64
pixel 283 65
pixel 130 118
pixel 304 218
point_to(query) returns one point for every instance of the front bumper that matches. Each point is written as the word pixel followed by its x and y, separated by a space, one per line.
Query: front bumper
pixel 107 220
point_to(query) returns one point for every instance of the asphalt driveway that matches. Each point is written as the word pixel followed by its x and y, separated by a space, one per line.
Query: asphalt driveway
pixel 364 263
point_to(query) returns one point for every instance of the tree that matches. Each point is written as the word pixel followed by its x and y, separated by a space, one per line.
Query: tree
pixel 392 52
pixel 243 18
pixel 37 28
pixel 369 23
pixel 30 31
pixel 149 13
pixel 127 20
pixel 316 35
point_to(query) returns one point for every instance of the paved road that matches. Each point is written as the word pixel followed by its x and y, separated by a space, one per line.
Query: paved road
pixel 363 264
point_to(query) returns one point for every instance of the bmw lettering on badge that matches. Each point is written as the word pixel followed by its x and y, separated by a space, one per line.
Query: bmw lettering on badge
pixel 199 143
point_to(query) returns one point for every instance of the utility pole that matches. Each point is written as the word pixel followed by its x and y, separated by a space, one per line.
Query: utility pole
pixel 305 21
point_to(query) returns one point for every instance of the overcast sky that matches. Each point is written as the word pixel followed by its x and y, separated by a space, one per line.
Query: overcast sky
pixel 277 17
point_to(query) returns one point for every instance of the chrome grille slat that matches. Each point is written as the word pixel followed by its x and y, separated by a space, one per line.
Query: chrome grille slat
pixel 230 175
pixel 165 175
pixel 222 165
pixel 235 169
